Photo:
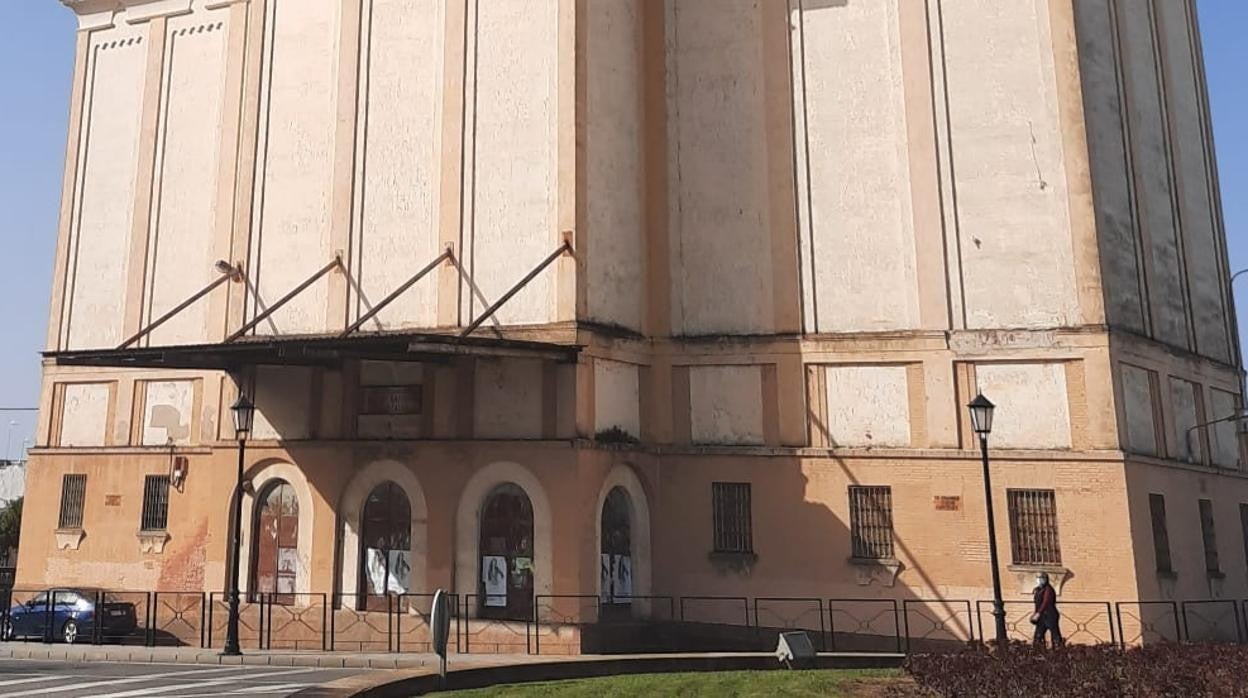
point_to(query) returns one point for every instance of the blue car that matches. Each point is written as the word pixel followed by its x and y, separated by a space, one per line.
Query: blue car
pixel 72 616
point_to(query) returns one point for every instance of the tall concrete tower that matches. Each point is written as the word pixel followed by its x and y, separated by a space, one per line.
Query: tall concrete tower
pixel 631 297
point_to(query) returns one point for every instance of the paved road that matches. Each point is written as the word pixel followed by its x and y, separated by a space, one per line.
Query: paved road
pixel 30 677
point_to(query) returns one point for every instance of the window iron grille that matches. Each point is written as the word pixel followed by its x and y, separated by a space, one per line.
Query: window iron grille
pixel 1033 527
pixel 732 517
pixel 871 522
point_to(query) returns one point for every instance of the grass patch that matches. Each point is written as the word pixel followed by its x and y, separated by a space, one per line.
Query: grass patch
pixel 858 682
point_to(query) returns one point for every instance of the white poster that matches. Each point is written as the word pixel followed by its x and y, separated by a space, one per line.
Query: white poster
pixel 623 578
pixel 375 566
pixel 494 575
pixel 604 573
pixel 400 572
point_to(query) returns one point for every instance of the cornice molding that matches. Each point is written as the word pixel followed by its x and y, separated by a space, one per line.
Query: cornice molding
pixel 103 14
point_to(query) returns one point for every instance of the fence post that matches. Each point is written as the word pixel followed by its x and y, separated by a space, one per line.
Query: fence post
pixel 905 617
pixel 150 639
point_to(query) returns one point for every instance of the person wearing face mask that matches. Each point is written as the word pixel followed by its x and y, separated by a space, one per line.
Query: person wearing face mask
pixel 1045 617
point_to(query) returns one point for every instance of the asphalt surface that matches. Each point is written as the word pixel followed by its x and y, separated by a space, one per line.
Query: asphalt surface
pixel 57 679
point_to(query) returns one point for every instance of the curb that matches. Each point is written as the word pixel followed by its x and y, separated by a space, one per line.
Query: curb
pixel 141 655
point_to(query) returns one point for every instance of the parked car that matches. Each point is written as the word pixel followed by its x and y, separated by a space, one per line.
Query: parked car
pixel 72 616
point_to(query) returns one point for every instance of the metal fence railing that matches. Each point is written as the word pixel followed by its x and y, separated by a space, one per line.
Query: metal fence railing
pixel 580 623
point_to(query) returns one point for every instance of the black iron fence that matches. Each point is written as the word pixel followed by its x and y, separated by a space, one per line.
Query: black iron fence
pixel 577 623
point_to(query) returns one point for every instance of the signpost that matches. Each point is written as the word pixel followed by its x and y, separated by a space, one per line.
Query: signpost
pixel 440 628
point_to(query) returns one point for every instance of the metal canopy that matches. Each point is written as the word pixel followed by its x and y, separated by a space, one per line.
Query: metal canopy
pixel 314 350
pixel 240 350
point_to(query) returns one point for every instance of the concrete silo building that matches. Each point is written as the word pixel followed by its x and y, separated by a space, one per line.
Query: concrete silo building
pixel 699 290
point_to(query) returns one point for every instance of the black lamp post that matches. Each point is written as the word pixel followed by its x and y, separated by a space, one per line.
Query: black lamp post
pixel 243 412
pixel 981 421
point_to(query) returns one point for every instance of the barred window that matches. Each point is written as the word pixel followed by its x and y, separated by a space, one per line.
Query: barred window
pixel 871 522
pixel 73 496
pixel 1161 537
pixel 1209 537
pixel 155 503
pixel 1033 527
pixel 731 509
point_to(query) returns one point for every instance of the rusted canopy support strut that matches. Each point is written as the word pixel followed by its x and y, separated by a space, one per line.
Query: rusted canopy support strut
pixel 337 263
pixel 227 273
pixel 396 293
pixel 489 312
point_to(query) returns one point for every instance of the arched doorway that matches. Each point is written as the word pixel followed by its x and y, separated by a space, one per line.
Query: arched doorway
pixel 385 545
pixel 616 559
pixel 505 588
pixel 275 556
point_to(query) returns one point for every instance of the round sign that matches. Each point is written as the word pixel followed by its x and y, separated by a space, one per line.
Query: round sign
pixel 440 621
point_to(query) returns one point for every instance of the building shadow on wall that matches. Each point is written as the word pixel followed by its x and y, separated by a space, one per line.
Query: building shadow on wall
pixel 802 573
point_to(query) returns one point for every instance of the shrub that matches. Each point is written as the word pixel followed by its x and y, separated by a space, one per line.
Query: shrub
pixel 1083 670
pixel 615 435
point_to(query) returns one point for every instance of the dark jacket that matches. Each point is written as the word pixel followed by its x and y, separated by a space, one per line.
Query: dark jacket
pixel 1045 599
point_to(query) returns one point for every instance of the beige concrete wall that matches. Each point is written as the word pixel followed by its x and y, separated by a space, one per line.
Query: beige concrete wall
pixel 617 396
pixel 284 403
pixel 508 399
pixel 867 405
pixel 397 169
pixel 726 404
pixel 1159 223
pixel 857 228
pixel 613 154
pixel 1033 404
pixel 290 236
pixel 86 409
pixel 104 198
pixel 168 412
pixel 1140 406
pixel 1017 261
pixel 181 244
pixel 511 166
pixel 720 252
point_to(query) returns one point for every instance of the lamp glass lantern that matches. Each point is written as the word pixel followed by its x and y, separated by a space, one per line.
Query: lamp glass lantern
pixel 981 415
pixel 244 413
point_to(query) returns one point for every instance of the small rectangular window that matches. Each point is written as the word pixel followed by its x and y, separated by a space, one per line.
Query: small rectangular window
pixel 871 522
pixel 73 496
pixel 731 509
pixel 1033 527
pixel 1161 536
pixel 155 503
pixel 1209 537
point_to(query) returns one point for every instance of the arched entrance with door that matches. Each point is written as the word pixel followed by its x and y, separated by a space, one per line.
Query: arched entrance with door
pixel 385 546
pixel 275 556
pixel 505 588
pixel 623 519
pixel 616 554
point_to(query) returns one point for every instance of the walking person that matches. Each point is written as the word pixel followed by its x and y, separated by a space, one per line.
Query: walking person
pixel 1046 618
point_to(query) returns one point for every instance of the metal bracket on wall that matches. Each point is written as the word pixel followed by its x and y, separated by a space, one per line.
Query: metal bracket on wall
pixel 227 271
pixel 566 247
pixel 336 264
pixel 448 254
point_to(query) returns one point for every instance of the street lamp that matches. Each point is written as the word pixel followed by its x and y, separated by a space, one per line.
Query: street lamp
pixel 981 421
pixel 8 441
pixel 244 412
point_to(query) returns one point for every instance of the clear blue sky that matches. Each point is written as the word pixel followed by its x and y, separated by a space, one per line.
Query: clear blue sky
pixel 36 58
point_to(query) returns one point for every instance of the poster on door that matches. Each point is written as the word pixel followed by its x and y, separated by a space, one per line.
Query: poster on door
pixel 622 579
pixel 494 578
pixel 604 573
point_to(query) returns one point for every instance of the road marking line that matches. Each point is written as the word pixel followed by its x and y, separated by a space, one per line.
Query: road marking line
pixel 116 681
pixel 199 684
pixel 249 691
pixel 14 682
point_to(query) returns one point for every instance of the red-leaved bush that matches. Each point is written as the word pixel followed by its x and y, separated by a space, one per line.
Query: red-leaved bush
pixel 1083 670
